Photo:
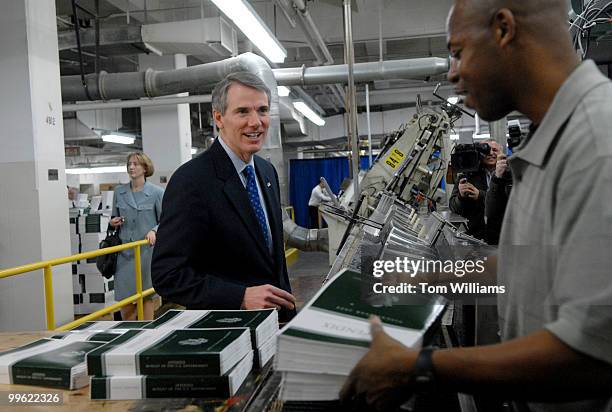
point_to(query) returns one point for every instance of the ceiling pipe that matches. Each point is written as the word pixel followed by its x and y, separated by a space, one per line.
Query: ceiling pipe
pixel 193 79
pixel 124 104
pixel 152 83
pixel 363 72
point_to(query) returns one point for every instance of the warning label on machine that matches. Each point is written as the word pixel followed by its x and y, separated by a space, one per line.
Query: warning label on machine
pixel 395 158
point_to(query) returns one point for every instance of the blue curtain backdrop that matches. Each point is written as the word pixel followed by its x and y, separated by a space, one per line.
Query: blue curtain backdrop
pixel 304 175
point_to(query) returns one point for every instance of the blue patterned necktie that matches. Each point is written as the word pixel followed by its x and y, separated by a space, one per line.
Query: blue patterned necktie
pixel 251 187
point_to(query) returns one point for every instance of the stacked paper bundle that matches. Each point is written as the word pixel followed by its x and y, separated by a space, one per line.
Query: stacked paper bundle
pixel 263 324
pixel 175 357
pixel 168 363
pixel 54 363
pixel 321 345
pixel 92 292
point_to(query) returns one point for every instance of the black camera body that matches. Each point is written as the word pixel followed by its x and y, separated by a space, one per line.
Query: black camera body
pixel 515 134
pixel 466 157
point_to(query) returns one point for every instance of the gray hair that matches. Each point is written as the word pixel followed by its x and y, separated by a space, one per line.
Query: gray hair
pixel 219 94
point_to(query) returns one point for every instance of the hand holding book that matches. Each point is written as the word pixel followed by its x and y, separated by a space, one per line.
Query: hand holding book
pixel 381 380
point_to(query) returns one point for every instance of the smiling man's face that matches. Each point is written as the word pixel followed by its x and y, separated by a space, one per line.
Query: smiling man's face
pixel 244 126
pixel 476 66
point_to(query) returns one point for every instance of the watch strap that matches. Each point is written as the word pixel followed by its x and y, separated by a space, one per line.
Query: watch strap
pixel 423 371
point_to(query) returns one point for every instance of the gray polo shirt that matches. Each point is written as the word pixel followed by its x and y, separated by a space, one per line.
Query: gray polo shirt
pixel 555 253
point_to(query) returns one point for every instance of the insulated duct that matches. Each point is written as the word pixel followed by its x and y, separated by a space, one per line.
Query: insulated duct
pixel 201 78
pixel 308 240
pixel 363 72
pixel 153 83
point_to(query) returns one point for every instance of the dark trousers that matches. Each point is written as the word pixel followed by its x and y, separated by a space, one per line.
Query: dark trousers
pixel 313 214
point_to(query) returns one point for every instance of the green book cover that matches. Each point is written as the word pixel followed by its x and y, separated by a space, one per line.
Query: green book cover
pixel 186 351
pixel 165 318
pixel 263 323
pixel 339 314
pixel 50 363
pixel 167 352
pixel 251 319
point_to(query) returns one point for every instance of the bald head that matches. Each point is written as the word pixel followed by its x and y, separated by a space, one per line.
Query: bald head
pixel 509 54
pixel 541 17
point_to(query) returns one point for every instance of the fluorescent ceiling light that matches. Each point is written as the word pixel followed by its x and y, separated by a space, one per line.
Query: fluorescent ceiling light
pixel 283 91
pixel 253 27
pixel 453 99
pixel 96 170
pixel 481 136
pixel 309 113
pixel 118 138
pixel 194 150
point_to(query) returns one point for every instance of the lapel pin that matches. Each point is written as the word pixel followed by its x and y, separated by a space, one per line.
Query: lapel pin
pixel 269 184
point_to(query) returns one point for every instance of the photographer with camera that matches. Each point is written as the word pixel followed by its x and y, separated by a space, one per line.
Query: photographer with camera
pixel 469 194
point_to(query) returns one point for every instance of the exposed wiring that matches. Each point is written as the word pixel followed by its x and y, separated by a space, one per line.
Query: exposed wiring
pixel 583 23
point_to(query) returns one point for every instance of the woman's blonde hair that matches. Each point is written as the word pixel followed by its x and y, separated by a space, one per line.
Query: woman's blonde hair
pixel 144 161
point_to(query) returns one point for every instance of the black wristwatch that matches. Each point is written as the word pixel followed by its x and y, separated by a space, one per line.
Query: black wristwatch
pixel 424 377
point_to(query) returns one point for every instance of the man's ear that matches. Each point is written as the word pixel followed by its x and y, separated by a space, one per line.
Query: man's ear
pixel 504 25
pixel 218 119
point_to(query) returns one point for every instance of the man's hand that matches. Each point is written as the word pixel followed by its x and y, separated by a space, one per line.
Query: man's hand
pixel 468 190
pixel 117 221
pixel 381 379
pixel 501 166
pixel 267 296
pixel 151 237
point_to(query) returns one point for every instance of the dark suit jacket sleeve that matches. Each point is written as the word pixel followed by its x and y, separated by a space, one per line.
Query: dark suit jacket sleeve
pixel 181 242
pixel 465 206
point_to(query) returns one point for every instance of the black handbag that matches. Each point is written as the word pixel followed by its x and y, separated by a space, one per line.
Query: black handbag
pixel 107 264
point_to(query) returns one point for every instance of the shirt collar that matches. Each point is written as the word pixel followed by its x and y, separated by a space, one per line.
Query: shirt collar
pixel 238 163
pixel 583 79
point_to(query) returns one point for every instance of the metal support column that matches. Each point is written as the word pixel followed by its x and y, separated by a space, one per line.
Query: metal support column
pixel 352 106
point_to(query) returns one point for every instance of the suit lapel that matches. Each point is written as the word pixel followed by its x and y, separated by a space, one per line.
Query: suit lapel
pixel 237 196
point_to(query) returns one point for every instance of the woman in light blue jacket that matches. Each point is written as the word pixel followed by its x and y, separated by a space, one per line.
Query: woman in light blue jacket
pixel 136 210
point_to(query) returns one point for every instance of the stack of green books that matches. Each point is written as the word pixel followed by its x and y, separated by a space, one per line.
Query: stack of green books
pixel 162 363
pixel 52 363
pixel 263 324
pixel 321 345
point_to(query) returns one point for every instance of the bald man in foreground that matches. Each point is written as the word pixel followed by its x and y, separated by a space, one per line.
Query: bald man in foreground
pixel 554 255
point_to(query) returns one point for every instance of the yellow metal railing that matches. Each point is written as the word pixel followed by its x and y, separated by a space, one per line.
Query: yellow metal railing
pixel 47 273
pixel 290 212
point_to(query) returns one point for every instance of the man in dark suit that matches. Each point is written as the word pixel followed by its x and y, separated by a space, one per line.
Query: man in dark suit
pixel 220 240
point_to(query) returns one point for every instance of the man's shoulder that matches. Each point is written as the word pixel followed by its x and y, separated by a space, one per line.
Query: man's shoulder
pixel 263 165
pixel 598 119
pixel 587 136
